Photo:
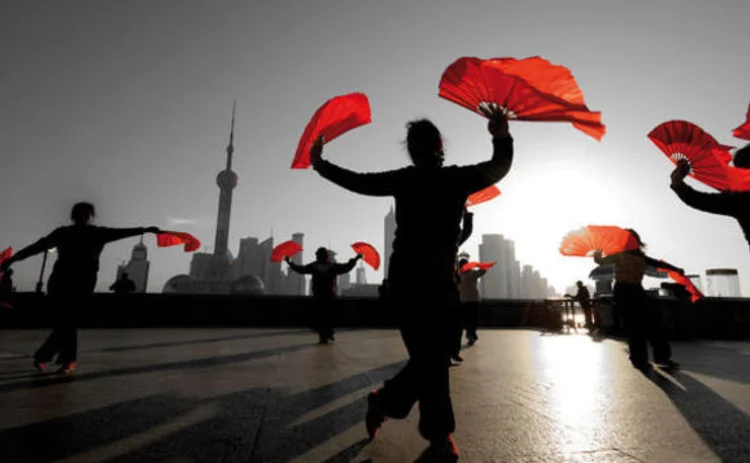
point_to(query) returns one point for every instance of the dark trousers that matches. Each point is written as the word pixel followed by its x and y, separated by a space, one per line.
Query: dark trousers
pixel 325 316
pixel 643 323
pixel 63 342
pixel 470 311
pixel 588 314
pixel 428 329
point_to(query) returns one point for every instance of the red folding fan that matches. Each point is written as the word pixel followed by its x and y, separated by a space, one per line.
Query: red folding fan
pixel 743 131
pixel 482 196
pixel 685 282
pixel 608 239
pixel 174 238
pixel 684 140
pixel 480 265
pixel 336 117
pixel 287 248
pixel 369 253
pixel 479 85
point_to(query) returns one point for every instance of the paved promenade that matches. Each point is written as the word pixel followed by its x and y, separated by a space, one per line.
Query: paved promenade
pixel 253 395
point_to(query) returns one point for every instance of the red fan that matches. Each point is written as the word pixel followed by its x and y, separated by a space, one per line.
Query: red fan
pixel 174 238
pixel 370 254
pixel 481 196
pixel 6 254
pixel 685 140
pixel 481 84
pixel 336 117
pixel 605 238
pixel 743 131
pixel 472 265
pixel 287 248
pixel 681 279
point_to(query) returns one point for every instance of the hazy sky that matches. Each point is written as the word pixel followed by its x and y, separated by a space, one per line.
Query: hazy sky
pixel 127 104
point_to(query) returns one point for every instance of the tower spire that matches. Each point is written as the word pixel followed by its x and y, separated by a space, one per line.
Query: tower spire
pixel 230 146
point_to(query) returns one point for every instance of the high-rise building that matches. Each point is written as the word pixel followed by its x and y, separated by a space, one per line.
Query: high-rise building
pixel 723 282
pixel 361 278
pixel 137 268
pixel 295 283
pixel 389 236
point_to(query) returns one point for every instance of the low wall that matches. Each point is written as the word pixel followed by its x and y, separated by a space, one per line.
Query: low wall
pixel 710 318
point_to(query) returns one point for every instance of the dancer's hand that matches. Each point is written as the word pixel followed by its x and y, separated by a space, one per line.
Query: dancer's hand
pixel 597 256
pixel 316 151
pixel 287 259
pixel 153 230
pixel 680 172
pixel 5 265
pixel 498 124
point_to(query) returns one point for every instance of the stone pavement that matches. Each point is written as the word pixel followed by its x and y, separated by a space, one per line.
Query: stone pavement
pixel 255 395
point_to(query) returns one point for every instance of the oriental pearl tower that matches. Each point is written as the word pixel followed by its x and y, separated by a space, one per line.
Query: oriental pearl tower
pixel 227 181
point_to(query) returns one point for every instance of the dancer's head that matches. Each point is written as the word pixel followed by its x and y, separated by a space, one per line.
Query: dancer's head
pixel 641 244
pixel 424 143
pixel 82 213
pixel 124 276
pixel 742 157
pixel 579 283
pixel 321 255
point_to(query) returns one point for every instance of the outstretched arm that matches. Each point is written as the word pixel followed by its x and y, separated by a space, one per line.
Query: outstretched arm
pixel 610 259
pixel 347 267
pixel 373 184
pixel 48 242
pixel 107 235
pixel 661 264
pixel 302 269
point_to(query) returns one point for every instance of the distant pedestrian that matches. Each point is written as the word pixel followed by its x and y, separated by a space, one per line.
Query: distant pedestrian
pixel 583 298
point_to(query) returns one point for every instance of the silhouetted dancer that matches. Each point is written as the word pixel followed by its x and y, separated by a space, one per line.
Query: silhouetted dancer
pixel 583 298
pixel 643 320
pixel 123 285
pixel 467 229
pixel 729 203
pixel 73 279
pixel 430 202
pixel 6 287
pixel 469 294
pixel 324 273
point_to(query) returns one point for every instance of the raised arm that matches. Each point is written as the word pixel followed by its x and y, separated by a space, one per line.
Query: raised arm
pixel 108 235
pixel 713 203
pixel 479 176
pixel 468 227
pixel 609 260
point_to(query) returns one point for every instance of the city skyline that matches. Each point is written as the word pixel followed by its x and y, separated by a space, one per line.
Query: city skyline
pixel 126 106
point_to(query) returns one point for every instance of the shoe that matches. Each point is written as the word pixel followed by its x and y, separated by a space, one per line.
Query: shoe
pixel 668 365
pixel 331 338
pixel 445 451
pixel 644 366
pixel 375 415
pixel 68 368
pixel 472 340
pixel 455 361
pixel 322 341
pixel 40 366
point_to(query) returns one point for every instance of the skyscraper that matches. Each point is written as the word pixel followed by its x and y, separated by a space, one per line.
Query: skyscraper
pixel 227 182
pixel 137 268
pixel 390 234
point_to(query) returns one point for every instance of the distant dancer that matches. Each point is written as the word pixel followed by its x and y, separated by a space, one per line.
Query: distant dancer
pixel 324 272
pixel 73 279
pixel 729 203
pixel 430 203
pixel 123 285
pixel 642 317
pixel 470 300
pixel 583 298
pixel 467 228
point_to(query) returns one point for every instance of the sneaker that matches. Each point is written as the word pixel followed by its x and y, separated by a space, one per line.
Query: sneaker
pixel 322 341
pixel 455 361
pixel 40 366
pixel 440 451
pixel 472 340
pixel 375 415
pixel 67 369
